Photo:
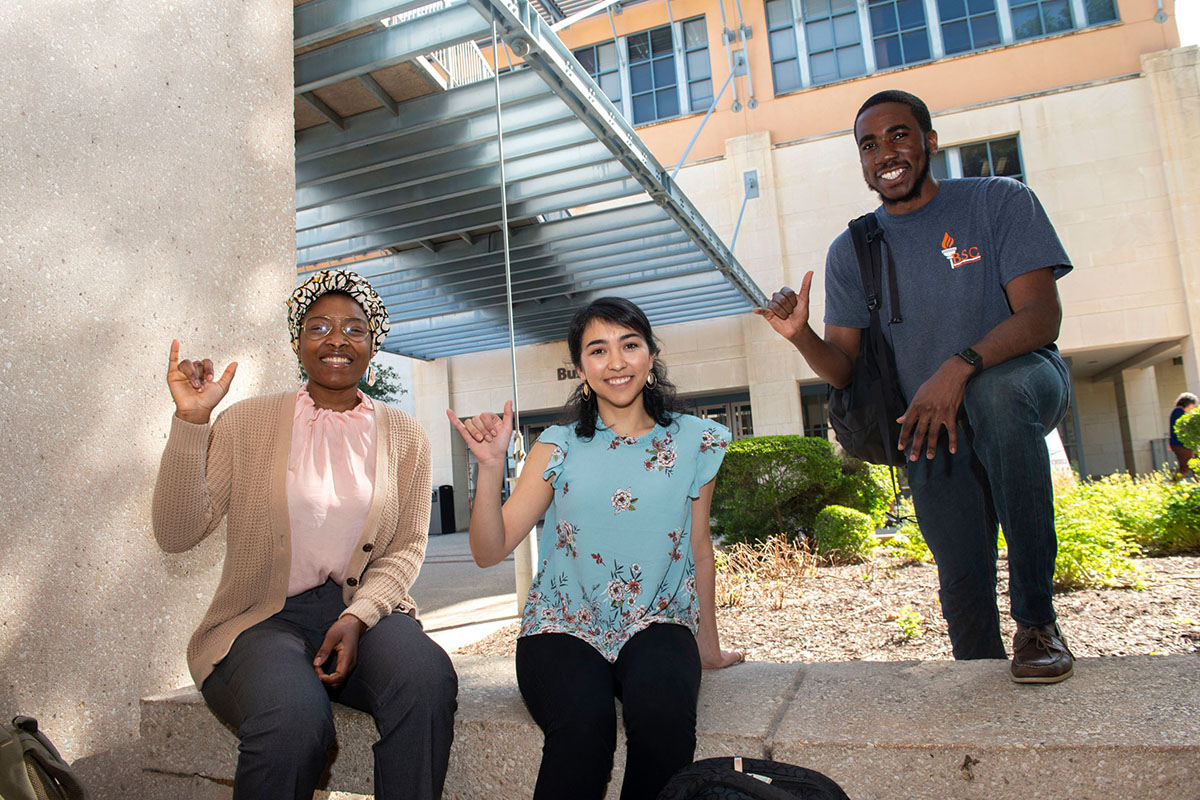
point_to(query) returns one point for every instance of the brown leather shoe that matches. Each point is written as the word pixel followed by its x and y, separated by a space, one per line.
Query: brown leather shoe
pixel 1040 655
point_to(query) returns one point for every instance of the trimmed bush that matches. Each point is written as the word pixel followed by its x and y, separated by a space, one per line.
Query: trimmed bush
pixel 844 535
pixel 865 487
pixel 908 545
pixel 777 484
pixel 1187 428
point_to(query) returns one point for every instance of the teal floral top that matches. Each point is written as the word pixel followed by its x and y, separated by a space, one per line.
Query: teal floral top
pixel 615 549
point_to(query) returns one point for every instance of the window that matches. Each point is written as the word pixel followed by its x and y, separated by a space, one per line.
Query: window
pixel 735 416
pixel 1032 18
pixel 999 157
pixel 600 61
pixel 652 79
pixel 781 34
pixel 1100 11
pixel 655 74
pixel 733 411
pixel 899 32
pixel 814 408
pixel 819 41
pixel 968 25
pixel 699 70
pixel 834 39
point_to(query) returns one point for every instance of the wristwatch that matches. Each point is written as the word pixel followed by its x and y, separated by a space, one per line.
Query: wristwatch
pixel 974 359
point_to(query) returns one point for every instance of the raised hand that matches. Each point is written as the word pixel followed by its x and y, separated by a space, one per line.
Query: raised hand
pixel 192 387
pixel 487 435
pixel 788 311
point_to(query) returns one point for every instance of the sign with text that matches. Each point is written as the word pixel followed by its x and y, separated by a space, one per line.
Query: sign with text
pixel 565 374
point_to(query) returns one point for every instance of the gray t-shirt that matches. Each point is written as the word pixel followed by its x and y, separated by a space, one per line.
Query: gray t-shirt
pixel 954 256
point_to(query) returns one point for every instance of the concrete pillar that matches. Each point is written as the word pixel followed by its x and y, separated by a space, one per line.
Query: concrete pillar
pixel 1139 416
pixel 771 363
pixel 1174 77
pixel 776 405
pixel 147 160
pixel 432 390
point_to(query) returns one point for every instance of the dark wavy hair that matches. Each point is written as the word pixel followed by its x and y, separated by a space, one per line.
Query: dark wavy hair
pixel 660 400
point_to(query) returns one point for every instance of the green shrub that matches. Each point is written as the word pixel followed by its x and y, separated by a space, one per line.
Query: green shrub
pixel 777 484
pixel 1151 512
pixel 1179 528
pixel 1095 544
pixel 1187 428
pixel 866 488
pixel 908 545
pixel 845 535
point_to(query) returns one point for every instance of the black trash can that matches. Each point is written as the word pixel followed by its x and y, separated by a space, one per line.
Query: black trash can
pixel 442 514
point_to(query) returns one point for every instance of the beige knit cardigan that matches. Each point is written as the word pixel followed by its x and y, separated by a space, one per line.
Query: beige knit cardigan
pixel 237 468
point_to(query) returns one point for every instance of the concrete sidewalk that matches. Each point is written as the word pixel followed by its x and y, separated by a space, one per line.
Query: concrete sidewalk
pixel 1126 728
pixel 459 602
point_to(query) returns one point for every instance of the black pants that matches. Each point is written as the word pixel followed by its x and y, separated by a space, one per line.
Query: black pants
pixel 569 689
pixel 266 688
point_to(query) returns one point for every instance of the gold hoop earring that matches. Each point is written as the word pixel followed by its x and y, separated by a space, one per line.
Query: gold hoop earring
pixel 650 379
pixel 587 390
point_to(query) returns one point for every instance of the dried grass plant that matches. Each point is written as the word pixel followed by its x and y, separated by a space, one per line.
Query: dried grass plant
pixel 762 569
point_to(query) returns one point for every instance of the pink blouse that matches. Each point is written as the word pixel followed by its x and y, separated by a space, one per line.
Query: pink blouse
pixel 331 477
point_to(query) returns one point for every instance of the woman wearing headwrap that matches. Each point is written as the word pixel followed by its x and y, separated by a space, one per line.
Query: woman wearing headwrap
pixel 327 497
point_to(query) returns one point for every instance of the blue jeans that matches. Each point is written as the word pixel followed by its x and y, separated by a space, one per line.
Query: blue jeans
pixel 1000 474
pixel 267 689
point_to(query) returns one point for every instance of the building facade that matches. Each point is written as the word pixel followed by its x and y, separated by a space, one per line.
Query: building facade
pixel 1092 103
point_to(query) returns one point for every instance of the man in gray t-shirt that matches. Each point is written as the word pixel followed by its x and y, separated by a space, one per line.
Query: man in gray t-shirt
pixel 976 264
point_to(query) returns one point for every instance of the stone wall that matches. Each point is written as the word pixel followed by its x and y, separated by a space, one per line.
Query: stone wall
pixel 146 171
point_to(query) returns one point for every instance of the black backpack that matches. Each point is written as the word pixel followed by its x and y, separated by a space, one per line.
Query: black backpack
pixel 31 768
pixel 749 779
pixel 863 415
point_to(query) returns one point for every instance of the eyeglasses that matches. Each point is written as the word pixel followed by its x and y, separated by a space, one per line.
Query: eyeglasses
pixel 353 328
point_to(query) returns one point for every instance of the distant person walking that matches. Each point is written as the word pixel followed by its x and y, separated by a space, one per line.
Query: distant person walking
pixel 1183 404
pixel 326 494
pixel 623 605
pixel 976 264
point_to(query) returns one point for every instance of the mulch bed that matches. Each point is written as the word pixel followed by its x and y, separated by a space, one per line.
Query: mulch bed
pixel 854 613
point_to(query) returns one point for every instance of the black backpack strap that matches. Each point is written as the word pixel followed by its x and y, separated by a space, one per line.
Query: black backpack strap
pixel 868 246
pixel 893 286
pixel 862 232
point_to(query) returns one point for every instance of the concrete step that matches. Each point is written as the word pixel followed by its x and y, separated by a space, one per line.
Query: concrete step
pixel 1120 728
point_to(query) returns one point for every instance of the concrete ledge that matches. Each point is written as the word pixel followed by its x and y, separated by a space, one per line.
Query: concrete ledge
pixel 1121 727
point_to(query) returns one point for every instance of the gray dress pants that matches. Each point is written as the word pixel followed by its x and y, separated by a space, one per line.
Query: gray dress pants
pixel 267 689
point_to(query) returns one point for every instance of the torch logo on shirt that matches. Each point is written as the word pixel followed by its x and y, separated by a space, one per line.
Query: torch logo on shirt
pixel 956 256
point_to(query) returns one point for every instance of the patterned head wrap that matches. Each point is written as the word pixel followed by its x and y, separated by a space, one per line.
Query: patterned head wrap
pixel 338 280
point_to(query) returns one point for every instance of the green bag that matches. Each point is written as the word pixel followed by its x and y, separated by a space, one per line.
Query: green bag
pixel 31 768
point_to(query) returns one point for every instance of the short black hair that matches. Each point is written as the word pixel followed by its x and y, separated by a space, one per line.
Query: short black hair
pixel 919 109
pixel 1186 399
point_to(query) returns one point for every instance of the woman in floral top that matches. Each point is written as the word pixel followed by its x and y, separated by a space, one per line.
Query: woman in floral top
pixel 623 602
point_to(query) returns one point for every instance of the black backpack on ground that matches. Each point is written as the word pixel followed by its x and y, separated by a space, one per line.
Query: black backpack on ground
pixel 863 415
pixel 31 768
pixel 749 779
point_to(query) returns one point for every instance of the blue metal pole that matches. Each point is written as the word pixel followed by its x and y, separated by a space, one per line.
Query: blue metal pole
pixel 696 135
